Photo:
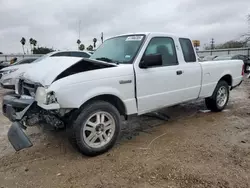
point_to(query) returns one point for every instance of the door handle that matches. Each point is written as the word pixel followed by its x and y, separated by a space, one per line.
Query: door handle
pixel 179 72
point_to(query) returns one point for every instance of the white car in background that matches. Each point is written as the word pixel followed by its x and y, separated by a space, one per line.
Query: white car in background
pixel 9 74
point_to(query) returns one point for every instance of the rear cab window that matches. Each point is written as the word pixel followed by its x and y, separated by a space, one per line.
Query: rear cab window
pixel 187 50
pixel 61 54
pixel 80 54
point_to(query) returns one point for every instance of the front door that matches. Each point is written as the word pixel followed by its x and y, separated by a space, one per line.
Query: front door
pixel 157 87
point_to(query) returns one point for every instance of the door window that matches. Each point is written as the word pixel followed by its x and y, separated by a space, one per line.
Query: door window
pixel 188 50
pixel 164 46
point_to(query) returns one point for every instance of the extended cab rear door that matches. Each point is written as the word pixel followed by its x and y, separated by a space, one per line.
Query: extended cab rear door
pixel 173 82
pixel 191 70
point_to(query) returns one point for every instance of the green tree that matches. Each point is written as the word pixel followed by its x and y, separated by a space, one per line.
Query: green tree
pixel 23 41
pixel 42 50
pixel 81 47
pixel 231 44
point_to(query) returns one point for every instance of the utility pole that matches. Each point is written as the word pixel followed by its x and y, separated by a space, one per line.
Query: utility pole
pixel 102 37
pixel 212 43
pixel 79 30
pixel 212 46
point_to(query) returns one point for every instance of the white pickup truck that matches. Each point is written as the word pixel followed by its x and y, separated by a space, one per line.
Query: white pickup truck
pixel 128 74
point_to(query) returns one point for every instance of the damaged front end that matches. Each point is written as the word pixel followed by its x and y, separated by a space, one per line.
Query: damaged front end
pixel 23 111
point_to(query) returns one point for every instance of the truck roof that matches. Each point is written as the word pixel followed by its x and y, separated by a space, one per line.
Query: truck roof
pixel 150 33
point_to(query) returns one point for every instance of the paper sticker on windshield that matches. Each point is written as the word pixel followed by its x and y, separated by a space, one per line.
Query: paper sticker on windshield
pixel 134 38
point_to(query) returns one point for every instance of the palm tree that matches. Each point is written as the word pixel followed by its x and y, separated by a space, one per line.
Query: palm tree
pixel 34 43
pixel 78 42
pixel 31 42
pixel 94 41
pixel 81 47
pixel 23 41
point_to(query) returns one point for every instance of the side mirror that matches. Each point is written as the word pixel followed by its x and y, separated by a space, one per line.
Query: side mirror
pixel 151 60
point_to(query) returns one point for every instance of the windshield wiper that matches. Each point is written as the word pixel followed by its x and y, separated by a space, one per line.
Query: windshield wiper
pixel 107 60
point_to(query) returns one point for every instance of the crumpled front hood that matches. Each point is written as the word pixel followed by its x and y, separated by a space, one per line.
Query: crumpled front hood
pixel 47 70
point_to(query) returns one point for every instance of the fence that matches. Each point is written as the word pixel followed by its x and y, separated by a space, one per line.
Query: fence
pixel 216 52
pixel 224 52
pixel 8 57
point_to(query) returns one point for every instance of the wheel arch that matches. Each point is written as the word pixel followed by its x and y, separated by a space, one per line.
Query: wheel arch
pixel 227 78
pixel 110 98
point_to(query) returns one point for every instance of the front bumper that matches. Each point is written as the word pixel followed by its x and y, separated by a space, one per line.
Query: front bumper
pixel 17 137
pixel 22 111
pixel 14 103
pixel 14 108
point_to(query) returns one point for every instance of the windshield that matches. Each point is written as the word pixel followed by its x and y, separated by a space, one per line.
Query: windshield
pixel 24 61
pixel 119 49
pixel 43 57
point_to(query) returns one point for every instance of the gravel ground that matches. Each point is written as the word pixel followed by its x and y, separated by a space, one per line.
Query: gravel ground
pixel 195 148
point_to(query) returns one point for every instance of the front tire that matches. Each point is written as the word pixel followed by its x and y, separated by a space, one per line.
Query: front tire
pixel 218 101
pixel 96 128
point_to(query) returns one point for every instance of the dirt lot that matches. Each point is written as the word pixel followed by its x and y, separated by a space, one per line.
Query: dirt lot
pixel 194 149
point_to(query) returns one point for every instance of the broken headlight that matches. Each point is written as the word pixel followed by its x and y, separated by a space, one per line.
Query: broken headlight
pixel 50 98
pixel 44 97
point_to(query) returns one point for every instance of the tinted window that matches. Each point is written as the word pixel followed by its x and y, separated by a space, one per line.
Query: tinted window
pixel 24 61
pixel 80 54
pixel 61 54
pixel 188 50
pixel 164 46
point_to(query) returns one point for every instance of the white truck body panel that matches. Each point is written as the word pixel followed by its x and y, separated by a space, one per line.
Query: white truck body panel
pixel 214 70
pixel 140 90
pixel 83 86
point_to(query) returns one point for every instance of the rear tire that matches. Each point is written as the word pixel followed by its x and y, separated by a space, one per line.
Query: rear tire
pixel 96 128
pixel 218 101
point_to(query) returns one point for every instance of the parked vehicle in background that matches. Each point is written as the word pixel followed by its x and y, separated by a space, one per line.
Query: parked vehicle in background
pixel 25 61
pixel 244 58
pixel 128 74
pixel 4 64
pixel 209 58
pixel 9 74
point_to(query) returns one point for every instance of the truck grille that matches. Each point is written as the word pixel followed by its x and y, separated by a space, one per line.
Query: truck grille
pixel 27 88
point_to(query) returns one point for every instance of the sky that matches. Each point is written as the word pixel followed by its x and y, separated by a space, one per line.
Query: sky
pixel 56 23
